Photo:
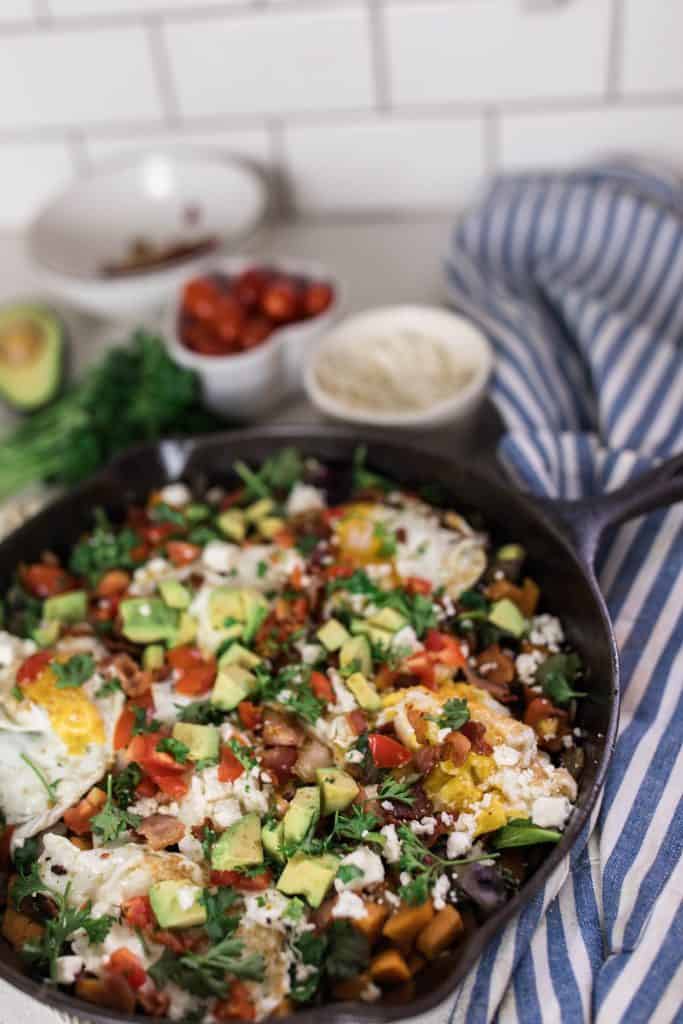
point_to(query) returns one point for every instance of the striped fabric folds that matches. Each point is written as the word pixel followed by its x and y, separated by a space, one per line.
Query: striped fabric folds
pixel 578 282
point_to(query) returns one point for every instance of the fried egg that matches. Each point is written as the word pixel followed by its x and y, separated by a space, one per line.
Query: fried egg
pixel 413 539
pixel 54 745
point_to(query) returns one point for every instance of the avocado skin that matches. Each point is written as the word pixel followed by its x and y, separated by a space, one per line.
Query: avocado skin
pixel 27 388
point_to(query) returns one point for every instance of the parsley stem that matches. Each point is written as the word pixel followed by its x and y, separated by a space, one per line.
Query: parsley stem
pixel 50 787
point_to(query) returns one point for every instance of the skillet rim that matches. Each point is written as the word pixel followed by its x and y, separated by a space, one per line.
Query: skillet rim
pixel 542 512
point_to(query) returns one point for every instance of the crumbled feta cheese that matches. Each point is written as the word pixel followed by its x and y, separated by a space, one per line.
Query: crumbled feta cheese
pixel 310 653
pixel 186 896
pixel 344 701
pixel 425 827
pixel 447 819
pixel 440 891
pixel 225 813
pixel 504 756
pixel 387 805
pixel 265 908
pixel 349 905
pixel 392 845
pixel 460 841
pixel 370 992
pixel 175 495
pixel 249 793
pixel 304 498
pixel 406 638
pixel 405 878
pixel 191 848
pixel 68 969
pixel 546 631
pixel 527 664
pixel 392 898
pixel 368 863
pixel 550 811
pixel 219 556
pixel 354 756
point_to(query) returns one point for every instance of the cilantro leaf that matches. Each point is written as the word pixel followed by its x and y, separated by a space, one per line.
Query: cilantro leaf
pixel 278 473
pixel 242 753
pixel 163 513
pixel 73 672
pixel 104 549
pixel 347 873
pixel 176 748
pixel 206 974
pixel 522 832
pixel 424 865
pixel 124 784
pixel 27 885
pixel 557 674
pixel 113 821
pixel 364 479
pixel 201 712
pixel 57 931
pixel 26 854
pixel 454 714
pixel 110 687
pixel 141 724
pixel 219 923
pixel 400 790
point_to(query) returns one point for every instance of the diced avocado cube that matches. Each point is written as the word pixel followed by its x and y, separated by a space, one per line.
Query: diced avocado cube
pixel 225 603
pixel 272 837
pixel 388 618
pixel 381 637
pixel 177 904
pixel 239 846
pixel 174 594
pixel 196 512
pixel 507 616
pixel 511 553
pixel 202 741
pixel 236 654
pixel 337 789
pixel 255 611
pixel 270 526
pixel 259 510
pixel 364 692
pixel 67 608
pixel 147 620
pixel 186 631
pixel 232 524
pixel 232 685
pixel 302 812
pixel 333 635
pixel 308 876
pixel 46 634
pixel 356 651
pixel 153 657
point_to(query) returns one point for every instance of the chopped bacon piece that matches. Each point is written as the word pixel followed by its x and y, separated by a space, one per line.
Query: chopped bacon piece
pixel 278 731
pixel 475 732
pixel 161 830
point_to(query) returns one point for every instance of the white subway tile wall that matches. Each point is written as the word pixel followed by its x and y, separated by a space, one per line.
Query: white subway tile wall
pixel 354 105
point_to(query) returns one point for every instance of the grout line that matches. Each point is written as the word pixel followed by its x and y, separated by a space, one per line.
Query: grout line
pixel 163 72
pixel 379 54
pixel 616 48
pixel 492 141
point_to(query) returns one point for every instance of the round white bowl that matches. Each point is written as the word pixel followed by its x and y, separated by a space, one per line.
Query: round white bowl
pixel 250 384
pixel 159 196
pixel 453 330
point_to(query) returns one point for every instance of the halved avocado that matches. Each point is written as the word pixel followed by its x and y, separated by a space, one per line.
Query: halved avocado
pixel 32 344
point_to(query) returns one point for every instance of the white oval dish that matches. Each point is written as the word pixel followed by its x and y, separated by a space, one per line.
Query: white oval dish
pixel 460 335
pixel 248 385
pixel 160 196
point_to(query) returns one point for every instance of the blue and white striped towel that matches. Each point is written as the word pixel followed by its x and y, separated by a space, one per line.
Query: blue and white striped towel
pixel 578 282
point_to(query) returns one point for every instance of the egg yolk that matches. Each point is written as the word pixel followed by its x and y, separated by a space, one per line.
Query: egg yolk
pixel 357 535
pixel 73 717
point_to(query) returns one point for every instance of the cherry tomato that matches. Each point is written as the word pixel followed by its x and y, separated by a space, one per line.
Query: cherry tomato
pixel 228 319
pixel 238 1006
pixel 157 533
pixel 421 664
pixel 322 687
pixel 417 585
pixel 249 285
pixel 125 963
pixel 196 681
pixel 230 767
pixel 146 787
pixel 123 733
pixel 248 883
pixel 255 330
pixel 387 752
pixel 170 783
pixel 281 299
pixel 181 552
pixel 200 297
pixel 137 912
pixel 46 580
pixel 249 714
pixel 113 583
pixel 33 666
pixel 143 749
pixel 318 295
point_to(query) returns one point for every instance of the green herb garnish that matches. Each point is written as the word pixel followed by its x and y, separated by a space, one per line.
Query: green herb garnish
pixel 454 714
pixel 73 672
pixel 176 748
pixel 522 832
pixel 49 787
pixel 424 865
pixel 113 821
pixel 557 674
pixel 400 790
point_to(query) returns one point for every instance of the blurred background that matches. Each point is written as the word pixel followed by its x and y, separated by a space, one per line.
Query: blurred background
pixel 351 107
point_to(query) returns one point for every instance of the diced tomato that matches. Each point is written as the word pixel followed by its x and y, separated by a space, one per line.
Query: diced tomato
pixel 185 656
pixel 387 752
pixel 157 533
pixel 330 514
pixel 137 912
pixel 417 585
pixel 421 664
pixel 113 583
pixel 231 499
pixel 170 783
pixel 46 580
pixel 357 721
pixel 181 552
pixel 123 733
pixel 247 883
pixel 445 647
pixel 339 572
pixel 196 681
pixel 322 687
pixel 146 787
pixel 249 714
pixel 139 553
pixel 238 1006
pixel 230 767
pixel 33 666
pixel 284 538
pixel 125 963
pixel 78 818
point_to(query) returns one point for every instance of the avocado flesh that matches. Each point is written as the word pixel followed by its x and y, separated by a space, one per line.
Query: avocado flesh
pixel 147 620
pixel 168 899
pixel 272 837
pixel 308 876
pixel 302 812
pixel 508 617
pixel 32 343
pixel 202 741
pixel 337 789
pixel 239 846
pixel 68 608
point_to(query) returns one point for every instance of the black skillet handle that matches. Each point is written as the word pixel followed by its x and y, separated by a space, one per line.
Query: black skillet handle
pixel 586 520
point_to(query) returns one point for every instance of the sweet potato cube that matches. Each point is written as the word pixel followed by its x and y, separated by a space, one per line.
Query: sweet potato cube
pixel 375 916
pixel 407 922
pixel 441 932
pixel 389 968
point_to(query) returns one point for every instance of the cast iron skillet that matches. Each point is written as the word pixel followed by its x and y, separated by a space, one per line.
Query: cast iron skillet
pixel 561 538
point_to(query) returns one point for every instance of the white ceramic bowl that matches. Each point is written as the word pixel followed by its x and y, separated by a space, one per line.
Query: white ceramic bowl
pixel 248 385
pixel 465 339
pixel 159 196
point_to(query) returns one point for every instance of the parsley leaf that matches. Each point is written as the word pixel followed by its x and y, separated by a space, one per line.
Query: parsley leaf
pixel 109 688
pixel 364 479
pixel 112 821
pixel 163 513
pixel 347 873
pixel 27 885
pixel 219 923
pixel 201 712
pixel 400 790
pixel 26 854
pixel 357 826
pixel 73 672
pixel 556 675
pixel 104 549
pixel 45 950
pixel 205 974
pixel 424 864
pixel 49 787
pixel 454 714
pixel 304 703
pixel 141 725
pixel 522 832
pixel 124 784
pixel 176 748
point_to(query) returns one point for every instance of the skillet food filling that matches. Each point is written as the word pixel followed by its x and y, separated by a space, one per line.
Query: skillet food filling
pixel 263 749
